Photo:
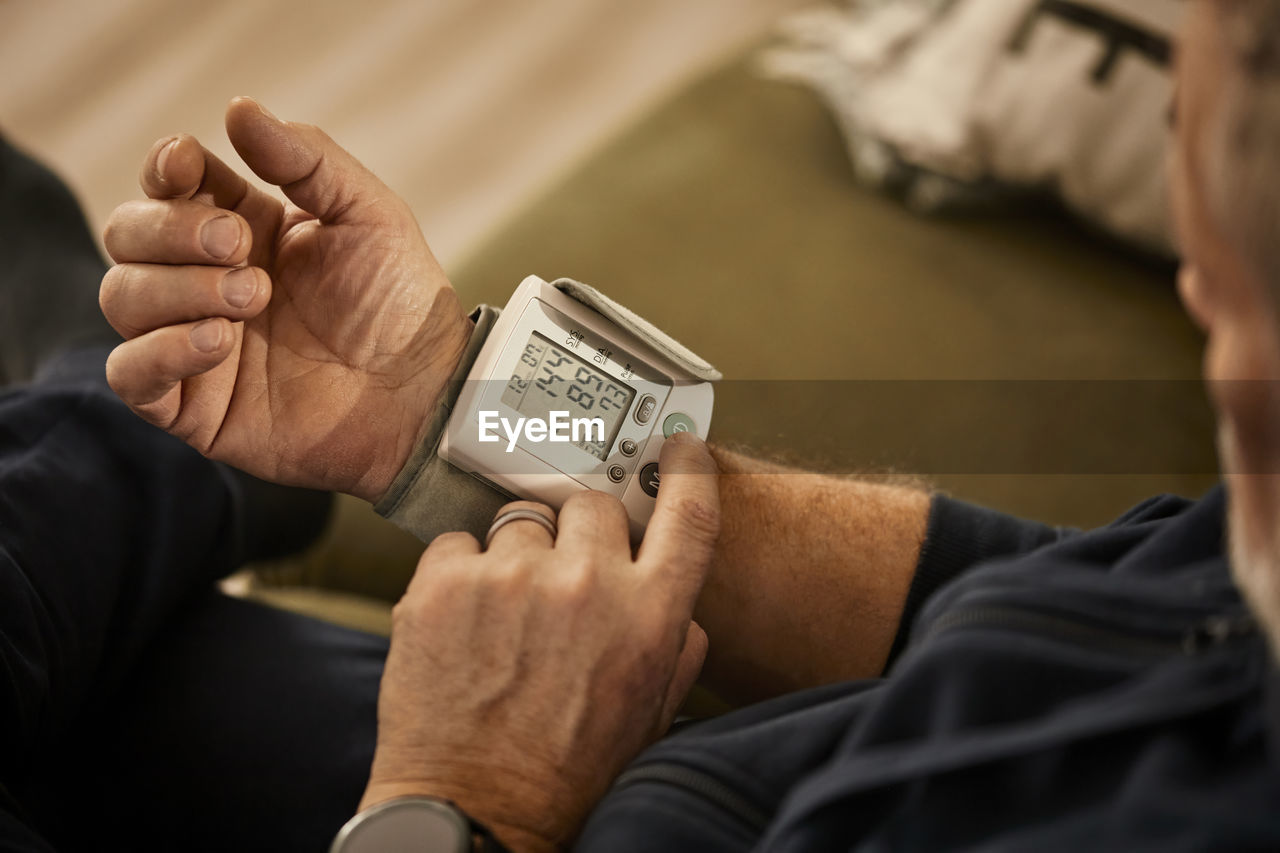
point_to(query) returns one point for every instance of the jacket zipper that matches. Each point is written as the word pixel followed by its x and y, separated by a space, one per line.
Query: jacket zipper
pixel 704 785
pixel 1210 633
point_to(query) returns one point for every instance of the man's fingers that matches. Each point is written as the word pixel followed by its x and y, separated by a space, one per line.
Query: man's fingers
pixel 678 543
pixel 448 545
pixel 176 232
pixel 315 172
pixel 179 167
pixel 441 550
pixel 519 532
pixel 688 668
pixel 146 370
pixel 594 522
pixel 139 298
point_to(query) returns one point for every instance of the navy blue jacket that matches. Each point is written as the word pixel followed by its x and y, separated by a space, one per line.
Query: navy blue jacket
pixel 1050 690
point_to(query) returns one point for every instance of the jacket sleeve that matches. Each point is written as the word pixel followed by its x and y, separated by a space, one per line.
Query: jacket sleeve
pixel 960 536
pixel 15 834
pixel 107 525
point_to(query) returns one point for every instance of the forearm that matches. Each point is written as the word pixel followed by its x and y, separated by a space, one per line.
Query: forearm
pixel 809 579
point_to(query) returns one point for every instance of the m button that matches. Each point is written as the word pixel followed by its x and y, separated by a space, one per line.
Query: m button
pixel 649 479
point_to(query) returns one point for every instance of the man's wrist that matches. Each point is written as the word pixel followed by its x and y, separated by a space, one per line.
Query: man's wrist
pixel 420 409
pixel 428 496
pixel 420 401
pixel 517 839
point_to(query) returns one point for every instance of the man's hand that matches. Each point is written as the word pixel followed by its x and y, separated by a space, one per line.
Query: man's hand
pixel 523 678
pixel 302 342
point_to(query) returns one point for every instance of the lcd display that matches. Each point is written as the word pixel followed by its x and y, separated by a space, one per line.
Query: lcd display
pixel 550 378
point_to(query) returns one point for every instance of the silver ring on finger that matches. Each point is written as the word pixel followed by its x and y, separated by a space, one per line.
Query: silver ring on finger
pixel 521 514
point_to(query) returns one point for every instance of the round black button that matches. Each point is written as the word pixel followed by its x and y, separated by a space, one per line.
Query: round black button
pixel 617 473
pixel 649 479
pixel 628 447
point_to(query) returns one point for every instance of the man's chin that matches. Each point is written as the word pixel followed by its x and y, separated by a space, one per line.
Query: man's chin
pixel 1254 553
pixel 1256 577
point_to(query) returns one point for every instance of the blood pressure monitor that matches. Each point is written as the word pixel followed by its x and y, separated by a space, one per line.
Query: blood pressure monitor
pixel 571 391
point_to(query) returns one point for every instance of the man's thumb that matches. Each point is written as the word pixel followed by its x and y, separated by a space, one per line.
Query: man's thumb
pixel 315 172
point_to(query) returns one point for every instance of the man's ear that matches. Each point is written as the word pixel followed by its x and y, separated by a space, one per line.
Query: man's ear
pixel 1196 296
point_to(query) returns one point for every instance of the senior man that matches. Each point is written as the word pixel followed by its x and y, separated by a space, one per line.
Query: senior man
pixel 1045 689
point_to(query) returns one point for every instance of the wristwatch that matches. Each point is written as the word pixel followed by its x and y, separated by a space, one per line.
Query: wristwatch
pixel 414 825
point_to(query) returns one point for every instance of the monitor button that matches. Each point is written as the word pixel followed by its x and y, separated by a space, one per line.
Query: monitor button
pixel 678 422
pixel 649 479
pixel 644 409
pixel 617 473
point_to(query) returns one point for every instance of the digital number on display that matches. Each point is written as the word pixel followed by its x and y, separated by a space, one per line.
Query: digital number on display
pixel 549 379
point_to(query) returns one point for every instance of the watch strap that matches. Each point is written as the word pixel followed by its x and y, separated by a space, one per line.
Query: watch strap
pixel 489 842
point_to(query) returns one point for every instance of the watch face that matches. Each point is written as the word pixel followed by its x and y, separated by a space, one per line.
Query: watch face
pixel 410 825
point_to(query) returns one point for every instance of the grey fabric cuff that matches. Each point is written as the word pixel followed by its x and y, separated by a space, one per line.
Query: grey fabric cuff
pixel 429 496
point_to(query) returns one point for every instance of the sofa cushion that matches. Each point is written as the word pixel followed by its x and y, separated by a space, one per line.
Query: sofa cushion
pixel 955 103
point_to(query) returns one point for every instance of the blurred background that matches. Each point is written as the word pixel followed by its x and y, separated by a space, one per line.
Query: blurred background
pixel 920 239
pixel 465 108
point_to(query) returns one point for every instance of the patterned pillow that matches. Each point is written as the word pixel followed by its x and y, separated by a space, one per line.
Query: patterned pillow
pixel 956 103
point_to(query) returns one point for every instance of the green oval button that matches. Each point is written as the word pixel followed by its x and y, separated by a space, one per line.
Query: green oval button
pixel 678 422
